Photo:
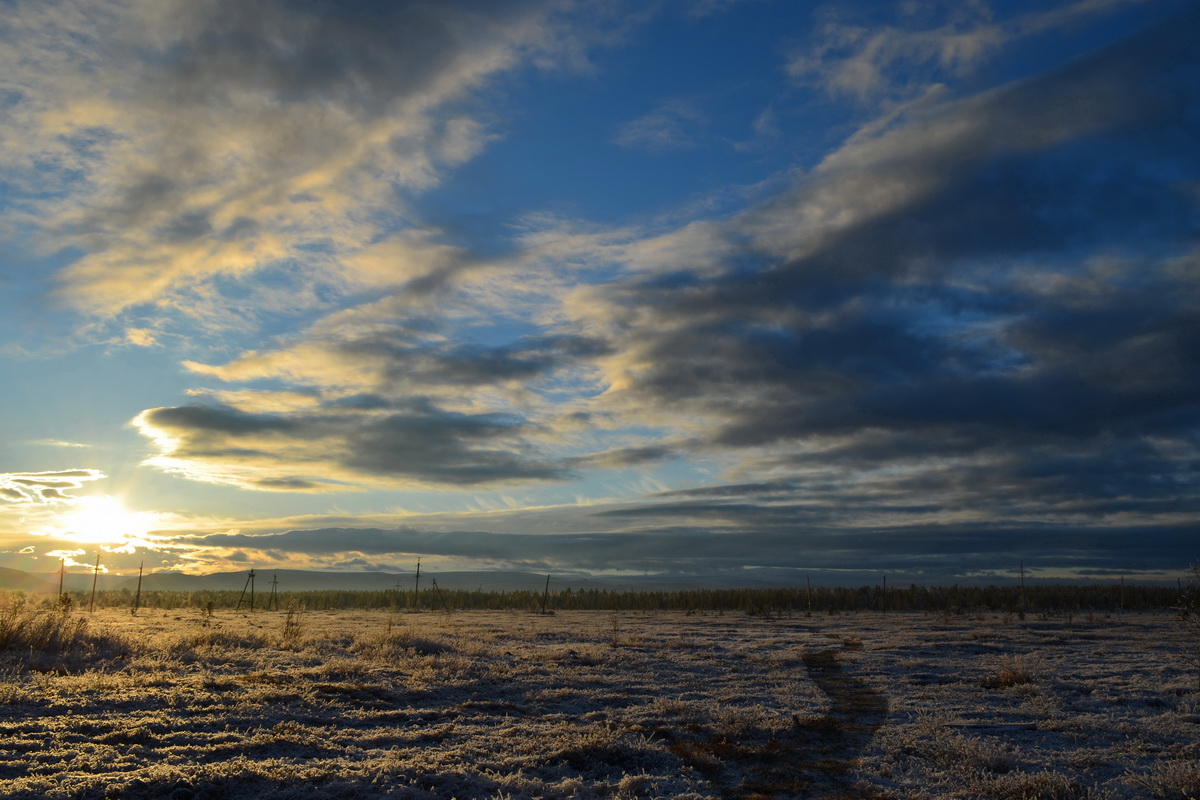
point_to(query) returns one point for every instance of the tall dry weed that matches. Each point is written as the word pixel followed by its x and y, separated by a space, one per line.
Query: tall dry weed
pixel 292 633
pixel 50 638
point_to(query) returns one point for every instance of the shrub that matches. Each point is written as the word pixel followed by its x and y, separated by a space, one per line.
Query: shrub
pixel 41 638
pixel 1012 671
pixel 292 630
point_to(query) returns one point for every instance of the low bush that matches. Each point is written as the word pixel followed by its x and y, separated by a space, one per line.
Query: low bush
pixel 52 638
pixel 1014 671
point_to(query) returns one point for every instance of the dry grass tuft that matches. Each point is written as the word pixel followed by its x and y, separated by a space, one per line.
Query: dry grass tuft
pixel 397 642
pixel 1172 781
pixel 292 632
pixel 52 638
pixel 1012 671
pixel 1037 786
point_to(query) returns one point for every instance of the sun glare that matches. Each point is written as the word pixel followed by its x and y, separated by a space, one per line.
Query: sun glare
pixel 105 521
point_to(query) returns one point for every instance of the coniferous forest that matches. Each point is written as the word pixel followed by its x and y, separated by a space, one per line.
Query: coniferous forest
pixel 1037 599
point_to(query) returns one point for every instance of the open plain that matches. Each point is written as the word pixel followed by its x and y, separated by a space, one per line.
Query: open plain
pixel 199 704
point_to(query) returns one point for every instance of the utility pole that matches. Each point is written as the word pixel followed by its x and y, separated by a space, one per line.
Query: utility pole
pixel 273 602
pixel 417 588
pixel 137 599
pixel 441 599
pixel 249 585
pixel 545 595
pixel 95 575
pixel 62 569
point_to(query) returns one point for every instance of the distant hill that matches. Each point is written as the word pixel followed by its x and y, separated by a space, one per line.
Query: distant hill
pixel 16 580
pixel 290 580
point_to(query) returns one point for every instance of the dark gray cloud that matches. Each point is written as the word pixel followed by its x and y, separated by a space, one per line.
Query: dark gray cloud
pixel 628 456
pixel 475 365
pixel 1011 329
pixel 360 54
pixel 445 448
pixel 409 443
pixel 934 552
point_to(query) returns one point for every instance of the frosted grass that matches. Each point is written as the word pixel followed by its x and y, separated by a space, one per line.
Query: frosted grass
pixel 593 704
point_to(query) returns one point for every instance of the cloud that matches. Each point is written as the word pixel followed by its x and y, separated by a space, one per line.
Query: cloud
pixel 705 8
pixel 140 337
pixel 44 487
pixel 394 362
pixel 181 144
pixel 629 456
pixel 968 304
pixel 969 331
pixel 995 285
pixel 762 539
pixel 869 62
pixel 410 443
pixel 856 60
pixel 674 125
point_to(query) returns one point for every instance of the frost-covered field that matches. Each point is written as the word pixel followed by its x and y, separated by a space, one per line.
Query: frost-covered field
pixel 596 704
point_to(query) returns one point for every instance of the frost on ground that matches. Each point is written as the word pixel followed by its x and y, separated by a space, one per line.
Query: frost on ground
pixel 595 704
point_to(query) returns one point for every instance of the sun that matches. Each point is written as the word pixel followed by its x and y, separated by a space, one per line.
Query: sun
pixel 106 521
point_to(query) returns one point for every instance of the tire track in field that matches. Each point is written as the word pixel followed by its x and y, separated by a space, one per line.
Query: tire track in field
pixel 857 711
pixel 813 760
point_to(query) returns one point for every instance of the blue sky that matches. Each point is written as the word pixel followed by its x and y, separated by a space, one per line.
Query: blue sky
pixel 598 286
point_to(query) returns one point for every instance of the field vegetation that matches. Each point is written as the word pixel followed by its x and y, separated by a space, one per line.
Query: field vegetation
pixel 1041 599
pixel 763 701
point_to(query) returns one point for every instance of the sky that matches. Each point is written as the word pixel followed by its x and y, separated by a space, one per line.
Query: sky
pixel 601 287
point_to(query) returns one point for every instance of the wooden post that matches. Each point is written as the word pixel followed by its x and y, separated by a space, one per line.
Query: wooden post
pixel 137 598
pixel 62 569
pixel 95 575
pixel 417 588
pixel 545 595
pixel 438 593
pixel 273 601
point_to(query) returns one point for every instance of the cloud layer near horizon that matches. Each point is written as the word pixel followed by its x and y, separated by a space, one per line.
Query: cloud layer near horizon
pixel 978 312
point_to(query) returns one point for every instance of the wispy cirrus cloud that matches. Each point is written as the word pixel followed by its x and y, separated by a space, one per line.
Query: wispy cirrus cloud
pixel 900 60
pixel 674 125
pixel 45 487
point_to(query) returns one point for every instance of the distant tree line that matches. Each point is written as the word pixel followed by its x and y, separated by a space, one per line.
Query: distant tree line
pixel 1038 599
